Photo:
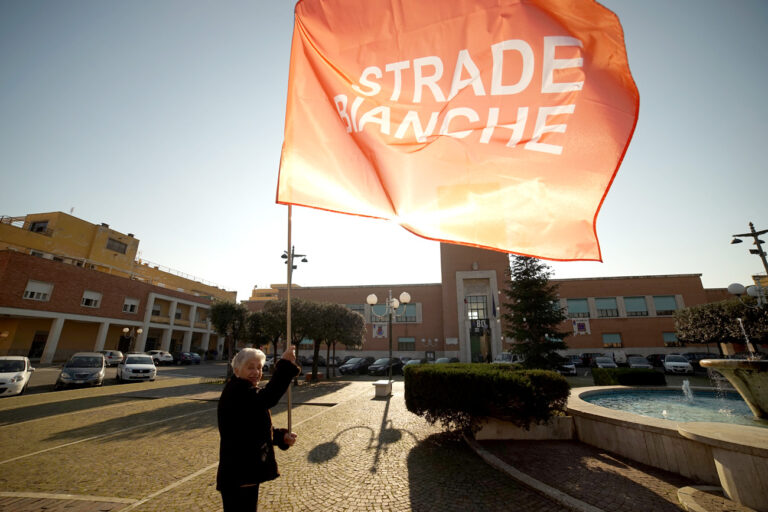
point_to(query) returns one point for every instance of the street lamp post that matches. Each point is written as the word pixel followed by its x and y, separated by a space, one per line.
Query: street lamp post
pixel 757 242
pixel 391 306
pixel 289 255
pixel 129 333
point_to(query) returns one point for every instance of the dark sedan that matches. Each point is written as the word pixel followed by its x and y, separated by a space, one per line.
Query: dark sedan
pixel 356 365
pixel 381 366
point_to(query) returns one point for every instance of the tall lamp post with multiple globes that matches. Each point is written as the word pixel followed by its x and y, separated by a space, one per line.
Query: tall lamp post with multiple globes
pixel 391 306
pixel 130 335
pixel 756 291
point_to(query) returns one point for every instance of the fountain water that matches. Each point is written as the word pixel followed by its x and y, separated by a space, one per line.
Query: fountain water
pixel 687 391
pixel 749 377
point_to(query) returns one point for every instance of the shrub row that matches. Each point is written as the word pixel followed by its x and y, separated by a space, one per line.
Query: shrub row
pixel 627 377
pixel 459 395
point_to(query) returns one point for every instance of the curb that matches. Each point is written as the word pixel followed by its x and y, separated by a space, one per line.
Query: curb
pixel 540 487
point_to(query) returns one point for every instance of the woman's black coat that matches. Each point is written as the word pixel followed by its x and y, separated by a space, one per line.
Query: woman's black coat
pixel 246 453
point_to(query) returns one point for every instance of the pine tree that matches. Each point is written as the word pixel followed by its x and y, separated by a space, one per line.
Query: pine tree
pixel 532 315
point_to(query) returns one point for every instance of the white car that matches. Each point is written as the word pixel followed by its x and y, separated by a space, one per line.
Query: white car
pixel 567 369
pixel 161 357
pixel 507 358
pixel 677 364
pixel 604 362
pixel 136 367
pixel 15 372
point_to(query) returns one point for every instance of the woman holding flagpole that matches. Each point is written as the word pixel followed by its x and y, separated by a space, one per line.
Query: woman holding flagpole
pixel 246 453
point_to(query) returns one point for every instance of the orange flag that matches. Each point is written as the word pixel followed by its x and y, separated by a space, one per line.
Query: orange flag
pixel 493 123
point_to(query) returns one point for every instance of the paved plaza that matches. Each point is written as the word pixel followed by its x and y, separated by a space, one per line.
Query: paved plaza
pixel 154 447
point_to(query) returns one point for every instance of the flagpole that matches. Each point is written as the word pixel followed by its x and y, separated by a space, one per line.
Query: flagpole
pixel 288 308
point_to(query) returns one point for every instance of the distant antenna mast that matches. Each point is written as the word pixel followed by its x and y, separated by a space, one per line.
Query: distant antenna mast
pixel 72 210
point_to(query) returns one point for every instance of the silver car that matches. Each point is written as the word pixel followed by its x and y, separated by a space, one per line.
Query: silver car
pixel 82 369
pixel 638 362
pixel 677 364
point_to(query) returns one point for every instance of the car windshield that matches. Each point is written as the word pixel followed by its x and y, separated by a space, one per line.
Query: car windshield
pixel 139 360
pixel 11 366
pixel 443 360
pixel 84 362
pixel 602 360
pixel 383 360
pixel 638 360
pixel 675 359
pixel 354 360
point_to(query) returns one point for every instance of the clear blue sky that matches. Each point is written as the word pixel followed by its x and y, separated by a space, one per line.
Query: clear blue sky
pixel 165 118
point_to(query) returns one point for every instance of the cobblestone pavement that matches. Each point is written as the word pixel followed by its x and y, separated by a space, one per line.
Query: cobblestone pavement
pixel 154 447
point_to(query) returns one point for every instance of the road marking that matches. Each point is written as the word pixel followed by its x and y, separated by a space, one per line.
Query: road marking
pixel 215 464
pixel 105 435
pixel 45 495
pixel 92 409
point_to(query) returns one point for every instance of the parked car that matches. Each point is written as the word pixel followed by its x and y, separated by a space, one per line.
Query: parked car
pixel 335 361
pixel 677 364
pixel 638 362
pixel 161 357
pixel 381 366
pixel 356 365
pixel 588 358
pixel 82 369
pixel 112 357
pixel 575 360
pixel 136 367
pixel 15 372
pixel 183 358
pixel 440 360
pixel 414 362
pixel 506 358
pixel 604 362
pixel 695 357
pixel 656 359
pixel 320 360
pixel 567 369
pixel 196 359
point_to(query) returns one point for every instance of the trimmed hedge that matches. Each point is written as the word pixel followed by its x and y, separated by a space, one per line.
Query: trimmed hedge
pixel 459 394
pixel 627 377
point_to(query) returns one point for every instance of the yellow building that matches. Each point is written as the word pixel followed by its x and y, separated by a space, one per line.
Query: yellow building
pixel 67 285
pixel 62 237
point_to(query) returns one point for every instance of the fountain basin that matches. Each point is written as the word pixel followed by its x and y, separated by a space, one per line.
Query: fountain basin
pixel 748 377
pixel 662 444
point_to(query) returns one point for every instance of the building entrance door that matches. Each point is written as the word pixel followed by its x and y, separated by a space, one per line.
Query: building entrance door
pixel 480 341
pixel 38 344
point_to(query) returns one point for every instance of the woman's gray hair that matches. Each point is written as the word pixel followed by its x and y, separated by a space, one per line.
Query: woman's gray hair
pixel 245 355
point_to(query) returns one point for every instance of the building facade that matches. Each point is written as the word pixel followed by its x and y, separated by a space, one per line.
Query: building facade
pixel 462 315
pixel 67 285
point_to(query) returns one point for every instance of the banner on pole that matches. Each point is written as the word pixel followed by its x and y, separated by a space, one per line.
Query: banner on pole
pixel 493 123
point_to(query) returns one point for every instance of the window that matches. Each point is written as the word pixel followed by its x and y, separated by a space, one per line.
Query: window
pixel 155 310
pixel 477 307
pixel 664 304
pixel 670 339
pixel 38 290
pixel 39 226
pixel 178 315
pixel 37 253
pixel 116 245
pixel 406 343
pixel 636 306
pixel 611 340
pixel 130 305
pixel 379 313
pixel 406 313
pixel 606 307
pixel 578 308
pixel 91 299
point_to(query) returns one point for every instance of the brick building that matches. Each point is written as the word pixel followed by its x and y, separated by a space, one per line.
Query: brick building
pixel 461 316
